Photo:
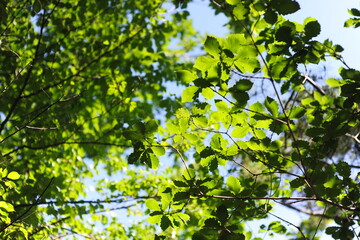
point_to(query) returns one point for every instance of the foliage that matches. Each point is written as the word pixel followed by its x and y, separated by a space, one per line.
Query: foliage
pixel 84 102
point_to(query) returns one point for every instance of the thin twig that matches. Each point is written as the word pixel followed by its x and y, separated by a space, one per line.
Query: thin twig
pixel 284 220
pixel 317 227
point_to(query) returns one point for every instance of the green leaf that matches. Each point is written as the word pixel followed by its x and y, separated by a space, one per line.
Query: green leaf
pixel 159 237
pixel 3 172
pixel 277 227
pixel 284 34
pixel 152 204
pixel 221 106
pixel 315 131
pixel 200 121
pixel 204 63
pixel 259 134
pixel 222 213
pixel 180 183
pixel 240 11
pixel 188 174
pixel 343 169
pixel 296 112
pixel 208 93
pixel 263 123
pixel 228 53
pixel 250 65
pixel 181 216
pixel 241 97
pixel 13 175
pixel 186 76
pixel 151 127
pixel 354 12
pixel 152 161
pixel 255 146
pixel 312 28
pixel 158 151
pixel 234 184
pixel 218 142
pixel 134 157
pixel 8 207
pixel 212 223
pixel 240 131
pixel 272 106
pixel 233 42
pixel 212 46
pixel 165 223
pixel 179 196
pixel 285 7
pixel 256 108
pixel 243 85
pixel 270 16
pixel 352 22
pixel 233 2
pixel 188 94
pixel 154 219
pixel 332 82
pixel 297 182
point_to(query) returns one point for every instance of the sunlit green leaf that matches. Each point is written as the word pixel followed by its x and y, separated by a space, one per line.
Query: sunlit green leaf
pixel 212 46
pixel 243 85
pixel 240 132
pixel 159 151
pixel 233 2
pixel 153 205
pixel 208 93
pixel 240 11
pixel 188 94
pixel 332 82
pixel 296 112
pixel 234 184
pixel 186 76
pixel 272 106
pixel 13 175
pixel 6 206
pixel 154 219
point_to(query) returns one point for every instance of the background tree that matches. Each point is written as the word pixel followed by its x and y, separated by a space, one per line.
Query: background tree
pixel 75 75
pixel 84 102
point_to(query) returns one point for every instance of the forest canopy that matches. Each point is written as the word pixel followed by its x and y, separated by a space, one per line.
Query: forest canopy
pixel 96 144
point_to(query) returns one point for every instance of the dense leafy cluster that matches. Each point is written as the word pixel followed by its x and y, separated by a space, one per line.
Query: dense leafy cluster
pixel 93 146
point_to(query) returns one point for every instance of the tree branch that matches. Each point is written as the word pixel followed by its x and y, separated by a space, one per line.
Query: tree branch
pixel 80 202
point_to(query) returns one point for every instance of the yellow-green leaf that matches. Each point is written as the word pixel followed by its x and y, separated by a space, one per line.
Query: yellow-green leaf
pixel 7 206
pixel 188 94
pixel 232 2
pixel 158 151
pixel 154 219
pixel 13 175
pixel 240 11
pixel 186 76
pixel 234 184
pixel 208 93
pixel 240 132
pixel 152 204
